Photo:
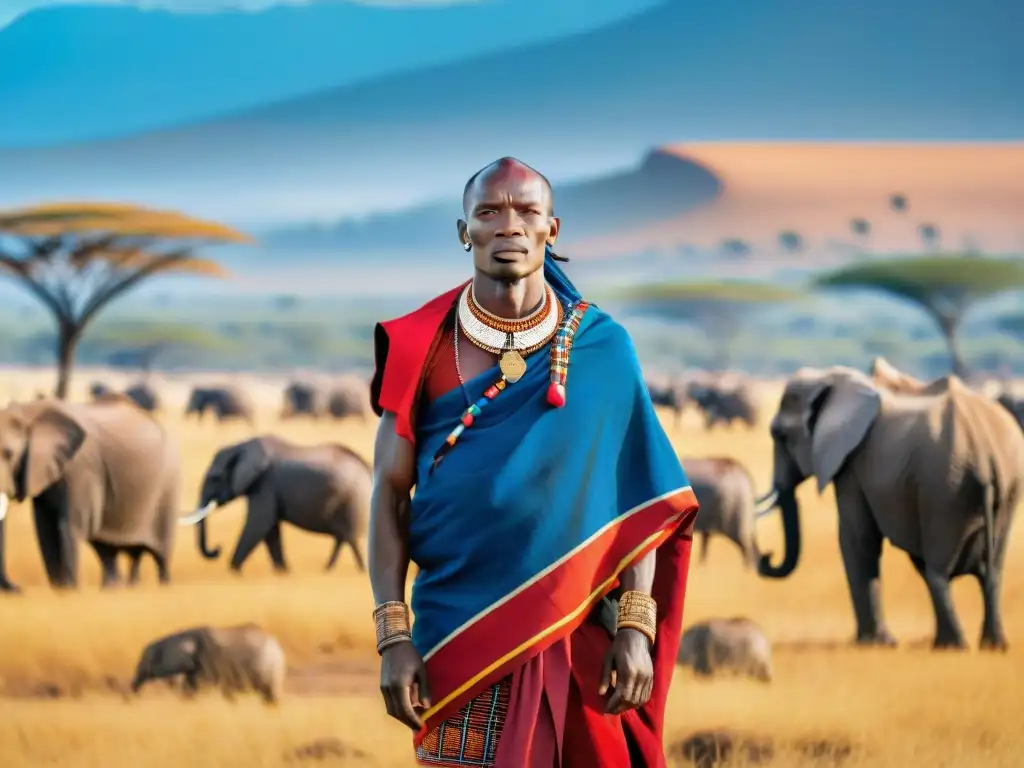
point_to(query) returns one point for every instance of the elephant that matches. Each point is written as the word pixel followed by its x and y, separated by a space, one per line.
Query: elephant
pixel 735 645
pixel 350 396
pixel 144 396
pixel 1014 404
pixel 140 393
pixel 98 390
pixel 728 506
pixel 724 399
pixel 668 395
pixel 237 659
pixel 938 474
pixel 105 472
pixel 320 488
pixel 225 402
pixel 301 397
pixel 886 375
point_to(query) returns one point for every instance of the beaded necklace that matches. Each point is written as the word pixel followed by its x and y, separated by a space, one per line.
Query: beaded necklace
pixel 512 339
pixel 558 366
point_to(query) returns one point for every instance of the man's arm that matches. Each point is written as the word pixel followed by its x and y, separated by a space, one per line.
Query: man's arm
pixel 394 475
pixel 640 576
pixel 403 678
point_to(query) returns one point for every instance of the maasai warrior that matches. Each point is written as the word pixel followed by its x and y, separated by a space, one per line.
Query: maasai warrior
pixel 551 521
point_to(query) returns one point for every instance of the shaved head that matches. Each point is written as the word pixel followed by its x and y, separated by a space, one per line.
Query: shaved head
pixel 507 169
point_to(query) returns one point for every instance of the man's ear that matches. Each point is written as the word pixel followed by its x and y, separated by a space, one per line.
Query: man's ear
pixel 463 229
pixel 554 224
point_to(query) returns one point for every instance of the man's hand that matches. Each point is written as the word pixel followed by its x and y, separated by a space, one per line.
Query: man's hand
pixel 628 672
pixel 403 683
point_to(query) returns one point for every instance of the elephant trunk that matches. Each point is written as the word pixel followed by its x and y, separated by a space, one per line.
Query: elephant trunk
pixel 142 674
pixel 787 504
pixel 198 518
pixel 209 554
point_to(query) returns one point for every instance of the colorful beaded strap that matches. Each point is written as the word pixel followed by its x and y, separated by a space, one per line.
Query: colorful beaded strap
pixel 561 345
pixel 560 348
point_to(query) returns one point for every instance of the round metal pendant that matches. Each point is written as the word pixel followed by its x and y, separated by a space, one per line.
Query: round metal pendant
pixel 512 366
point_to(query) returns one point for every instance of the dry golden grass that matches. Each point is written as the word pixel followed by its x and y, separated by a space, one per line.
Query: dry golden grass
pixel 903 707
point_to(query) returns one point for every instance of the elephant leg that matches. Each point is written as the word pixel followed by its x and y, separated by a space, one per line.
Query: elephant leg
pixel 260 520
pixel 358 555
pixel 742 541
pixel 163 573
pixel 338 544
pixel 57 543
pixel 134 570
pixel 948 633
pixel 705 537
pixel 107 554
pixel 275 548
pixel 993 636
pixel 749 549
pixel 860 543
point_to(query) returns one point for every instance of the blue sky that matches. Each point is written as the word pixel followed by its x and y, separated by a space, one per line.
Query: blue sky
pixel 11 9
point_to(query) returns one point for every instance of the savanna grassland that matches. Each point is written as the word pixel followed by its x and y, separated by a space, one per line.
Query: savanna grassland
pixel 65 658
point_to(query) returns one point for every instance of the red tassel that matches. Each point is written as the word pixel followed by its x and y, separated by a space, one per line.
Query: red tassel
pixel 556 395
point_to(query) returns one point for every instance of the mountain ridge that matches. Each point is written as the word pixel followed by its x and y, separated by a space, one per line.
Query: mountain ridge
pixel 591 105
pixel 207 64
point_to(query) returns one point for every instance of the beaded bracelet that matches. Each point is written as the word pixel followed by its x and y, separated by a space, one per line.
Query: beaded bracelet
pixel 392 623
pixel 640 612
pixel 393 640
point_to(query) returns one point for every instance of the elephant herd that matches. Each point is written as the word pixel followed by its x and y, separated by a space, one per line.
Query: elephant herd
pixel 348 396
pixel 107 473
pixel 722 398
pixel 936 468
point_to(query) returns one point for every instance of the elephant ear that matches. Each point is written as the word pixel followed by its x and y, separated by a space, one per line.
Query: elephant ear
pixel 54 438
pixel 253 460
pixel 844 410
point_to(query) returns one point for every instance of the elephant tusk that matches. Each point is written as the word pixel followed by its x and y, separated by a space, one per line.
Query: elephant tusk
pixel 200 514
pixel 4 501
pixel 767 503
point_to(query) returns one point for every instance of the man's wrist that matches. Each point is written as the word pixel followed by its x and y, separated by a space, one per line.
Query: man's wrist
pixel 638 634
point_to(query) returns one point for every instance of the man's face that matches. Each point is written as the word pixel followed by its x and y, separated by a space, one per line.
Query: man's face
pixel 508 222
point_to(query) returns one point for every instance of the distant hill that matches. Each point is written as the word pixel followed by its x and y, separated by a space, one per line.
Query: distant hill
pixel 971 195
pixel 71 73
pixel 594 103
pixel 661 187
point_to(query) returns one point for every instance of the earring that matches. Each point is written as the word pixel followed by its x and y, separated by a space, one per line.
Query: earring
pixel 467 247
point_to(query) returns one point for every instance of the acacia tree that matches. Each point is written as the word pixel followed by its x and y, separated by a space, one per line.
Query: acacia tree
pixel 720 308
pixel 930 235
pixel 944 287
pixel 861 227
pixel 791 241
pixel 735 247
pixel 76 258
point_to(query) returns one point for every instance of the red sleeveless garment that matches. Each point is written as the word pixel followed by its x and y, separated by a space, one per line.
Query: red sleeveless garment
pixel 441 375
